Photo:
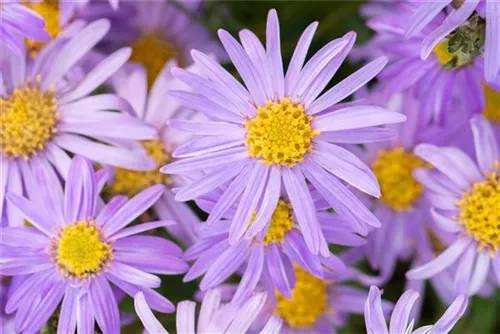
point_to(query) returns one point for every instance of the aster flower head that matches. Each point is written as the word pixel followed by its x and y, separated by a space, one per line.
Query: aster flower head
pixel 278 133
pixel 266 256
pixel 44 116
pixel 401 319
pixel 465 199
pixel 74 249
pixel 19 22
pixel 213 318
pixel 456 77
pixel 459 13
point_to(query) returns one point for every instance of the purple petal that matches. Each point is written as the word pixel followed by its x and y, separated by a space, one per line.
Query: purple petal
pixel 158 263
pixel 251 276
pixel 133 275
pixel 68 316
pixel 374 316
pixel 273 47
pixel 296 249
pixel 451 316
pixel 210 304
pixel 480 273
pixel 492 43
pixel 110 208
pixel 487 149
pixel 32 214
pixel 142 228
pixel 278 268
pixel 104 305
pixel 85 315
pixel 185 317
pixel 151 324
pixel 402 311
pixel 425 13
pixel 45 309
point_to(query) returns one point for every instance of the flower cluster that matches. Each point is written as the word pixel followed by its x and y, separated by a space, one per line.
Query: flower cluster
pixel 130 154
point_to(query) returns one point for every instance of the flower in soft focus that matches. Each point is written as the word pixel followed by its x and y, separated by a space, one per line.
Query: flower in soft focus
pixel 74 249
pixel 213 317
pixel 446 81
pixel 19 22
pixel 154 107
pixel 268 254
pixel 488 11
pixel 401 319
pixel 278 133
pixel 465 200
pixel 43 115
pixel 157 31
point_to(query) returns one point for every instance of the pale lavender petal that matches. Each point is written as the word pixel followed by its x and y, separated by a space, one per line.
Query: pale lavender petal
pixel 53 200
pixel 4 167
pixel 273 326
pixel 487 148
pixel 134 276
pixel 110 208
pixel 98 75
pixel 445 223
pixel 208 144
pixel 133 209
pixel 207 128
pixel 205 261
pixel 85 315
pixel 278 268
pixel 147 244
pixel 28 285
pixel 158 263
pixel 425 13
pixel 247 314
pixel 59 159
pixel 211 302
pixel 356 117
pixel 347 86
pixel 142 228
pixel 467 166
pixel 451 22
pixel 104 305
pixel 451 316
pixel 22 236
pixel 402 311
pixel 151 324
pixel 296 249
pixel 185 317
pixel 359 136
pixel 273 48
pixel 492 43
pixel 45 308
pixel 480 272
pixel 32 214
pixel 251 275
pixel 374 315
pixel 68 317
pixel 440 263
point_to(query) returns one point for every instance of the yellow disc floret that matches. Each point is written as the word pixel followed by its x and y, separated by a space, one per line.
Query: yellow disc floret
pixel 281 133
pixel 49 11
pixel 492 107
pixel 281 223
pixel 442 53
pixel 28 120
pixel 394 171
pixel 480 211
pixel 131 182
pixel 308 303
pixel 153 52
pixel 80 251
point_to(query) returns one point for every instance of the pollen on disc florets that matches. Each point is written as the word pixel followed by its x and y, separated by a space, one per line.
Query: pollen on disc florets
pixel 153 52
pixel 281 133
pixel 28 120
pixel 492 104
pixel 394 171
pixel 80 250
pixel 281 223
pixel 49 11
pixel 480 211
pixel 309 300
pixel 130 182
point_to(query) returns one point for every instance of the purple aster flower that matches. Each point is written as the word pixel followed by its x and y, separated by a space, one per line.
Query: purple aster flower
pixel 44 117
pixel 456 13
pixel 19 22
pixel 401 317
pixel 155 108
pixel 157 31
pixel 213 317
pixel 457 78
pixel 277 133
pixel 266 255
pixel 465 199
pixel 74 250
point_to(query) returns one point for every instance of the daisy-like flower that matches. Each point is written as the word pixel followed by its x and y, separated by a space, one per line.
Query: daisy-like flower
pixel 19 22
pixel 157 31
pixel 43 117
pixel 74 250
pixel 155 108
pixel 459 13
pixel 278 132
pixel 266 254
pixel 457 77
pixel 465 200
pixel 401 317
pixel 213 317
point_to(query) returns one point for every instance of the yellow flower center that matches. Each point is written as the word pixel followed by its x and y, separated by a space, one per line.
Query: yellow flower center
pixel 442 53
pixel 281 133
pixel 49 11
pixel 129 182
pixel 393 169
pixel 480 211
pixel 80 251
pixel 28 120
pixel 153 52
pixel 281 223
pixel 492 108
pixel 309 300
